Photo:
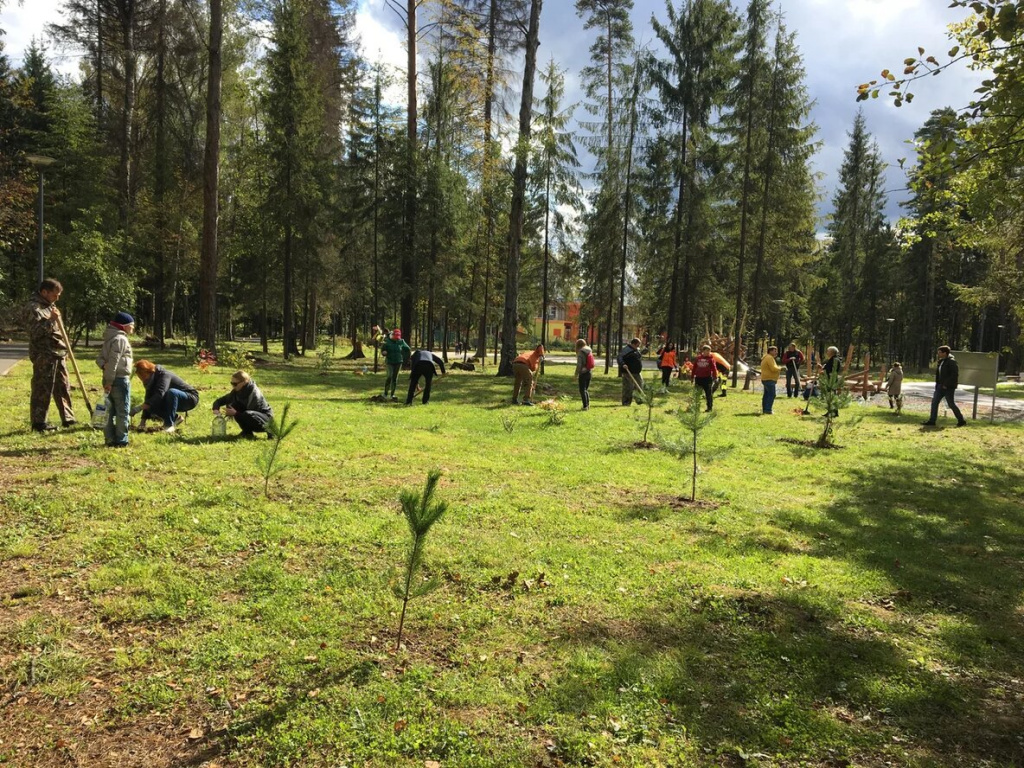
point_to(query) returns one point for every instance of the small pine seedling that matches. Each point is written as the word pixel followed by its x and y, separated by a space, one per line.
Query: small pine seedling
pixel 649 398
pixel 421 512
pixel 832 398
pixel 694 421
pixel 269 462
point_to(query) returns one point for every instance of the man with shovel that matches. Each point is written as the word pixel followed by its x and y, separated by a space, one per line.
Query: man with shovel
pixel 48 350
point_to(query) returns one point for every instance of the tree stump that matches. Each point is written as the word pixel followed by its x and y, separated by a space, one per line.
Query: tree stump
pixel 356 353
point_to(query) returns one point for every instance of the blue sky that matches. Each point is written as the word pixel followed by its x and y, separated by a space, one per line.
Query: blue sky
pixel 844 42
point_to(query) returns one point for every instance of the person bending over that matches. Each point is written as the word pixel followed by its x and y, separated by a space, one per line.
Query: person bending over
pixel 423 363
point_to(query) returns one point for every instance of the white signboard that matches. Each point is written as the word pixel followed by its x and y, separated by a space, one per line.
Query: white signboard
pixel 979 370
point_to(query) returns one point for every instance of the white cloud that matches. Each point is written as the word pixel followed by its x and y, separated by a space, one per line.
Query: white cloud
pixel 382 42
pixel 27 21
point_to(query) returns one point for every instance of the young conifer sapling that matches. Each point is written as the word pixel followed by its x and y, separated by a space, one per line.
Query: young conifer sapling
pixel 269 462
pixel 421 512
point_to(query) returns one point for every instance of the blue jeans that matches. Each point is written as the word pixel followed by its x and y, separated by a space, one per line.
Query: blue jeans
pixel 947 395
pixel 175 401
pixel 116 430
pixel 768 398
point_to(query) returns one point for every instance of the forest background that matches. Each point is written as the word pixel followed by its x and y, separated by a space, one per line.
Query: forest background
pixel 246 169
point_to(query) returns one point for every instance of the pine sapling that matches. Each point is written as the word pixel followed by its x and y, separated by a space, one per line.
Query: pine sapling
pixel 269 462
pixel 832 398
pixel 649 399
pixel 694 421
pixel 421 512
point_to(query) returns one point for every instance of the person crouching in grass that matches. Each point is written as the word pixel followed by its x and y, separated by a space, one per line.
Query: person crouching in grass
pixel 167 394
pixel 246 404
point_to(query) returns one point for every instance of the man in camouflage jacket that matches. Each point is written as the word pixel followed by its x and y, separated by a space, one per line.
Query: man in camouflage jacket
pixel 47 351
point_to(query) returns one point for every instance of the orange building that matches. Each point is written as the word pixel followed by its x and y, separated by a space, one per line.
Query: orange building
pixel 564 323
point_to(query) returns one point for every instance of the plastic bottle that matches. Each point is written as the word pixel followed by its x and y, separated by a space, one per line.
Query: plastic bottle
pixel 99 414
pixel 219 428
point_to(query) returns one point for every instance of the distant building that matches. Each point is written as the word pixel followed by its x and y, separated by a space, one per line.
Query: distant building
pixel 564 324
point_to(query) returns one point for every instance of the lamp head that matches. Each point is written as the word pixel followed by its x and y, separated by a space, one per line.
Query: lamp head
pixel 40 162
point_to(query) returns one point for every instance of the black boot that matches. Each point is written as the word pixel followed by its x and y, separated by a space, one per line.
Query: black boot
pixel 43 427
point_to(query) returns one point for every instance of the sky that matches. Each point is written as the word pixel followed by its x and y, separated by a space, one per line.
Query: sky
pixel 843 42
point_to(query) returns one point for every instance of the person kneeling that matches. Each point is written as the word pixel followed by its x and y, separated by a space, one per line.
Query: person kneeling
pixel 167 394
pixel 246 405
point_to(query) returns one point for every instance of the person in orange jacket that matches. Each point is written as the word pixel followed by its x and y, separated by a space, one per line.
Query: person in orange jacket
pixel 524 370
pixel 667 362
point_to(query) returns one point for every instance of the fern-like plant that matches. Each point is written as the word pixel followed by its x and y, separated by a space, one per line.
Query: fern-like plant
pixel 269 462
pixel 421 512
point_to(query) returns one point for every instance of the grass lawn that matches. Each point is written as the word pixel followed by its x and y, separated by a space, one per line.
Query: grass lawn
pixel 851 607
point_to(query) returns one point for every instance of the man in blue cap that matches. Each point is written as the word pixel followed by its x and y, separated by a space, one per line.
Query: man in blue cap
pixel 115 358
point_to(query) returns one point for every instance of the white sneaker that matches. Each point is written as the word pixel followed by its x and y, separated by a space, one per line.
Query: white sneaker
pixel 169 429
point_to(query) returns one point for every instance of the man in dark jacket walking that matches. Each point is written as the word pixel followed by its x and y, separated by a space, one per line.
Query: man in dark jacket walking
pixel 423 363
pixel 246 404
pixel 947 378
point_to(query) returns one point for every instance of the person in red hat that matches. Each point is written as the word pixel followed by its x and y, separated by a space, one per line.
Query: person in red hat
pixel 396 352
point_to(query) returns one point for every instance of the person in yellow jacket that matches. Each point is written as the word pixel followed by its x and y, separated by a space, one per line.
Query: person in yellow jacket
pixel 770 371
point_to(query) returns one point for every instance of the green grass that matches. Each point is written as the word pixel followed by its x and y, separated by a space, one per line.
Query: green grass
pixel 820 608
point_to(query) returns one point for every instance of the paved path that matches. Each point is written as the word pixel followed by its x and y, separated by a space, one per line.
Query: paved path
pixel 10 354
pixel 920 393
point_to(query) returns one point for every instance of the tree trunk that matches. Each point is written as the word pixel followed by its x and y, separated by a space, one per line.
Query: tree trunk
pixel 128 109
pixel 160 183
pixel 510 320
pixel 408 260
pixel 207 325
pixel 627 199
pixel 488 182
pixel 674 334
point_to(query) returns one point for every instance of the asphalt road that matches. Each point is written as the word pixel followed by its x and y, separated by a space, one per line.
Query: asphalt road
pixel 11 354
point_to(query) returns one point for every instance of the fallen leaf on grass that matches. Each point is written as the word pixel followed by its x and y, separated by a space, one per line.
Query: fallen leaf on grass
pixel 195 734
pixel 400 725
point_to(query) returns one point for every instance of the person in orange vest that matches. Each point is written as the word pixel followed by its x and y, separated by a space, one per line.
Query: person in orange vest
pixel 524 371
pixel 667 362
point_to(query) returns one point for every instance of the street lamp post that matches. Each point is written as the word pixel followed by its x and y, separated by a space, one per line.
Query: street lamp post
pixel 888 352
pixel 40 163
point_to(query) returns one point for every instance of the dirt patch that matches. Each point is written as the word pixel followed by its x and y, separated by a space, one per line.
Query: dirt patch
pixel 810 444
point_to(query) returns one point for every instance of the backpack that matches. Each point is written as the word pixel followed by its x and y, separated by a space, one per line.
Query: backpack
pixel 590 361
